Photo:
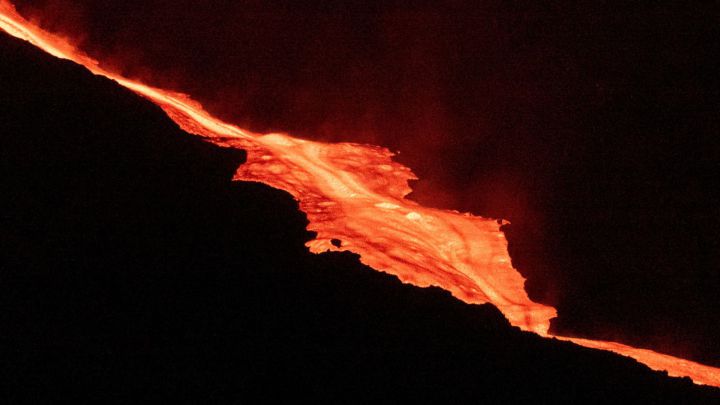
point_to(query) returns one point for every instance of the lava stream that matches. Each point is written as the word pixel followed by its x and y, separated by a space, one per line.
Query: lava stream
pixel 355 193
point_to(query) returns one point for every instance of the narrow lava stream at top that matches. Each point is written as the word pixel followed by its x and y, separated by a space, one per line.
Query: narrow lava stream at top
pixel 355 193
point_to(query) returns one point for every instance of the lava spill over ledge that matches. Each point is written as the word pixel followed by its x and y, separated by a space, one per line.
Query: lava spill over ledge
pixel 355 193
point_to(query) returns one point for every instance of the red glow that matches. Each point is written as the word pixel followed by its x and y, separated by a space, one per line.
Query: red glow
pixel 355 193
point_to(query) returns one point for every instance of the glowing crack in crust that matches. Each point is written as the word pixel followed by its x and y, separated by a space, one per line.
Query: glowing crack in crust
pixel 356 193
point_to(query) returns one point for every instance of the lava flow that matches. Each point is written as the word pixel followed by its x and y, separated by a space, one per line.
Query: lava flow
pixel 355 193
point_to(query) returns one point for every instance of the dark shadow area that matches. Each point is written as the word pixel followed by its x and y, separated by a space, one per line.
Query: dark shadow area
pixel 132 268
pixel 592 127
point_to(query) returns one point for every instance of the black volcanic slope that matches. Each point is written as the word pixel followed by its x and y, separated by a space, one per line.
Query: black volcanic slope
pixel 133 268
pixel 592 127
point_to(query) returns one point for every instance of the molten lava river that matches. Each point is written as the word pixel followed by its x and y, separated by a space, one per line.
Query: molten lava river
pixel 356 193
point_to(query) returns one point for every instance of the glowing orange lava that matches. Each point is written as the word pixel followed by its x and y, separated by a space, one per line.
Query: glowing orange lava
pixel 355 193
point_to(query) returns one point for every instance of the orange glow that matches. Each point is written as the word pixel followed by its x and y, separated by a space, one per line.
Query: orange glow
pixel 355 193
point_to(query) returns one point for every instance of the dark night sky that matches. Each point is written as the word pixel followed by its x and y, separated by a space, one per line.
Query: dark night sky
pixel 591 128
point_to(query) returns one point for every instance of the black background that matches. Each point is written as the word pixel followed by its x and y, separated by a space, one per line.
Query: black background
pixel 590 127
pixel 133 270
